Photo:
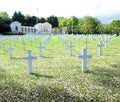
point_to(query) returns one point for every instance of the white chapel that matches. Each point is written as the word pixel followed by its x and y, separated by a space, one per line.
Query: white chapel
pixel 38 28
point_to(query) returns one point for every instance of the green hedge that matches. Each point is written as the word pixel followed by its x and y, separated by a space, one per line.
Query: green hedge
pixel 13 33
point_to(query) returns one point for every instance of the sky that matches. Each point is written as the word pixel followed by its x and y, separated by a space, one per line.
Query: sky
pixel 104 10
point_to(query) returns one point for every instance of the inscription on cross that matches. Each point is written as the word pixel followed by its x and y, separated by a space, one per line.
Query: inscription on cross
pixel 30 58
pixel 84 57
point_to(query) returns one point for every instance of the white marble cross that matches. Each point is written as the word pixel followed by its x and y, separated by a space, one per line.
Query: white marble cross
pixel 86 42
pixel 106 43
pixel 65 44
pixel 71 46
pixel 99 38
pixel 30 58
pixel 40 47
pixel 100 45
pixel 84 57
pixel 78 41
pixel 35 39
pixel 94 39
pixel 15 41
pixel 23 42
pixel 3 46
pixel 31 42
pixel 45 44
pixel 10 49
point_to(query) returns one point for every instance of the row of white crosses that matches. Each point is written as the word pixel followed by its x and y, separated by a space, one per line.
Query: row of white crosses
pixel 30 57
pixel 84 55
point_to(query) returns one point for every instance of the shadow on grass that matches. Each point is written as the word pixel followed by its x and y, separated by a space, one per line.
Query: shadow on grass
pixel 47 57
pixel 40 75
pixel 3 74
pixel 116 65
pixel 16 58
pixel 15 92
pixel 108 77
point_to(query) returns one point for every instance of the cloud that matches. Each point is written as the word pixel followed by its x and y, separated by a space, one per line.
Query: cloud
pixel 65 8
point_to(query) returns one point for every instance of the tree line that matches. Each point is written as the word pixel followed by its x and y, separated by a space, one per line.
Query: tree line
pixel 85 25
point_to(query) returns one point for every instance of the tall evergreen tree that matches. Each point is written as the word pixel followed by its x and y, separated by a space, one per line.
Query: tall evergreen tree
pixel 18 17
pixel 53 20
pixel 42 20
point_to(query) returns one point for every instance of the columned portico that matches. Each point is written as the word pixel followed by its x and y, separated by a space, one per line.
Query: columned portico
pixel 38 28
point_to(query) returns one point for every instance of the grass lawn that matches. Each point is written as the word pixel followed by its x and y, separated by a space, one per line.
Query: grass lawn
pixel 57 76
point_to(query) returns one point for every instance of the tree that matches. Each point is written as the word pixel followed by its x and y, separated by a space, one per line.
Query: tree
pixel 62 22
pixel 30 20
pixel 18 17
pixel 53 20
pixel 115 27
pixel 42 20
pixel 4 15
pixel 107 29
pixel 80 24
pixel 4 22
pixel 89 24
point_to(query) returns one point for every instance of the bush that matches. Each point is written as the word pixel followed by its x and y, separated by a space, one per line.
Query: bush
pixel 13 33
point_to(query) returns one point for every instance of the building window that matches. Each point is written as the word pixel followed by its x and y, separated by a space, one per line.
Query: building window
pixel 28 29
pixel 16 28
pixel 31 29
pixel 25 29
pixel 35 30
pixel 22 29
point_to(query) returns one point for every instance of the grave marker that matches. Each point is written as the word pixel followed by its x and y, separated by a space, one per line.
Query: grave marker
pixel 106 43
pixel 31 42
pixel 15 41
pixel 84 57
pixel 65 44
pixel 78 41
pixel 10 50
pixel 70 48
pixel 40 47
pixel 23 43
pixel 94 39
pixel 86 42
pixel 100 45
pixel 3 46
pixel 30 58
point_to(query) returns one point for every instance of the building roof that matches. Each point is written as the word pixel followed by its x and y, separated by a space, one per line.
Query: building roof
pixel 15 22
pixel 45 23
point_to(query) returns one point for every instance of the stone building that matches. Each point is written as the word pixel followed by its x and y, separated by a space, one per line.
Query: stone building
pixel 38 28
